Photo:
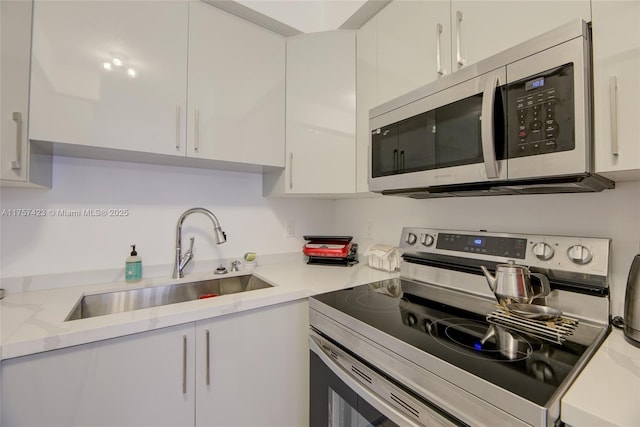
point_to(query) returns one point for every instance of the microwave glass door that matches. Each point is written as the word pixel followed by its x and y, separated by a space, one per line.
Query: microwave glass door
pixel 385 151
pixel 406 146
pixel 445 136
pixel 458 133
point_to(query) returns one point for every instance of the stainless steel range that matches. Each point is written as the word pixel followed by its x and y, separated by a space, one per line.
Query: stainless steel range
pixel 434 346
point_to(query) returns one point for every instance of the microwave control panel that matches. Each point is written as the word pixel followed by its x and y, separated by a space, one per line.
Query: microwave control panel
pixel 541 113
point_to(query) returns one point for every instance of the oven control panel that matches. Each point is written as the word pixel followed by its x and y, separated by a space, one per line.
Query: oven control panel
pixel 489 245
pixel 585 255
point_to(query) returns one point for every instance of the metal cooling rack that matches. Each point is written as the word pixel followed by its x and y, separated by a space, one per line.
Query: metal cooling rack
pixel 556 331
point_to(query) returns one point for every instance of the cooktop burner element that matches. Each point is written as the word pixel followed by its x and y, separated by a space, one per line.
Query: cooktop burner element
pixel 435 323
pixel 508 347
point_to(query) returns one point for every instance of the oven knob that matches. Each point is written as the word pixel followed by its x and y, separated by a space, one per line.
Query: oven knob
pixel 579 254
pixel 411 238
pixel 412 319
pixel 543 251
pixel 426 240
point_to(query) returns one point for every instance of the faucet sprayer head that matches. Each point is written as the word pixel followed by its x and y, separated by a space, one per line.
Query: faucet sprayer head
pixel 220 235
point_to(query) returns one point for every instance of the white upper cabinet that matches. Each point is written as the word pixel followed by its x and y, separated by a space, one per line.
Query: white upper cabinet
pixel 616 59
pixel 110 74
pixel 413 45
pixel 320 117
pixel 21 164
pixel 15 28
pixel 367 96
pixel 236 94
pixel 482 28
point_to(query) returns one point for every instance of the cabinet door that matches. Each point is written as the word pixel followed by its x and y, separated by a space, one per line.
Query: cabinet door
pixel 258 368
pixel 483 28
pixel 616 43
pixel 236 89
pixel 137 380
pixel 367 96
pixel 321 113
pixel 15 50
pixel 139 103
pixel 411 35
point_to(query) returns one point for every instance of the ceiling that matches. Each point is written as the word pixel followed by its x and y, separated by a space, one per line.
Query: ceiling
pixel 293 17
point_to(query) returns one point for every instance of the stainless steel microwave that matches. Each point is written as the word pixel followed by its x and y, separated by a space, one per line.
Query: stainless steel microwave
pixel 517 122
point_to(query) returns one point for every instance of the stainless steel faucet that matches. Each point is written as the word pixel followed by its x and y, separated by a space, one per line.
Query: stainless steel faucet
pixel 181 261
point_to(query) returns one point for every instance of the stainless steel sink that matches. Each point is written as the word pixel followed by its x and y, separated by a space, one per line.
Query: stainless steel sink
pixel 136 299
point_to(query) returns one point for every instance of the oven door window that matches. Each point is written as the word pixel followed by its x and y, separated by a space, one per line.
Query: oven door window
pixel 334 404
pixel 342 414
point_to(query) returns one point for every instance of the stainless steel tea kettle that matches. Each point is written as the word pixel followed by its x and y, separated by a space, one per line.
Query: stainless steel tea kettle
pixel 632 303
pixel 512 283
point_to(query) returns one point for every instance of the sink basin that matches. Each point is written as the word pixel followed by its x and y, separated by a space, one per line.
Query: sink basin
pixel 136 299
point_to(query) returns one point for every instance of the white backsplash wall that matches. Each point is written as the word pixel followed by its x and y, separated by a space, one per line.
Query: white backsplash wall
pixel 155 196
pixel 612 214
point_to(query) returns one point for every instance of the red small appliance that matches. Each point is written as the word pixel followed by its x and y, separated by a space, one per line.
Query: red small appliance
pixel 330 250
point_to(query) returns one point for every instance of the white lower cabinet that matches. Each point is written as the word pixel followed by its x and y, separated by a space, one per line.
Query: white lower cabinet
pixel 256 375
pixel 136 380
pixel 258 371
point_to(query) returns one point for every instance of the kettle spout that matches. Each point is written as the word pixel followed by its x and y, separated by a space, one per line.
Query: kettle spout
pixel 491 279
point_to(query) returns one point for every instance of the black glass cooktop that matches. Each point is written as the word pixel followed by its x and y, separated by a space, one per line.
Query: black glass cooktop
pixel 526 366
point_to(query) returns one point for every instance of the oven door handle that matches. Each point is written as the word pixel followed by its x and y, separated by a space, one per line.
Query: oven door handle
pixel 382 406
pixel 350 380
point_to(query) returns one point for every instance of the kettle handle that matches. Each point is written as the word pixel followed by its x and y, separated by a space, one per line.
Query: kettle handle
pixel 546 287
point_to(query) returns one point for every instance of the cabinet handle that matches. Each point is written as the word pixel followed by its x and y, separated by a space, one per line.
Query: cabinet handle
pixel 613 111
pixel 17 117
pixel 395 159
pixel 207 373
pixel 402 161
pixel 177 127
pixel 196 133
pixel 290 171
pixel 459 57
pixel 184 364
pixel 439 68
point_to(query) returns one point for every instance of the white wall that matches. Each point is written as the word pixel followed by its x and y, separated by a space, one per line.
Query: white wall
pixel 155 197
pixel 612 214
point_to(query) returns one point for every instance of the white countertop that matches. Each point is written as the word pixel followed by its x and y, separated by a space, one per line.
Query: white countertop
pixel 607 391
pixel 32 322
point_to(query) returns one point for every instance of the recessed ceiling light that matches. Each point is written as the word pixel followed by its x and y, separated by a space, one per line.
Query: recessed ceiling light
pixel 131 72
pixel 107 66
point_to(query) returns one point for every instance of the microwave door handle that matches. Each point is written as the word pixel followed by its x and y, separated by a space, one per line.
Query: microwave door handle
pixel 487 132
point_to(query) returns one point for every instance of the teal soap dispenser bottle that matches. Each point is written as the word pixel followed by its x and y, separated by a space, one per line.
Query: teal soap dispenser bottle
pixel 133 266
